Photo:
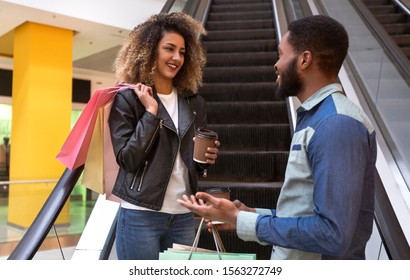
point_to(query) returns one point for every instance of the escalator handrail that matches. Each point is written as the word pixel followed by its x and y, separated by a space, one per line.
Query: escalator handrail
pixel 402 6
pixel 38 230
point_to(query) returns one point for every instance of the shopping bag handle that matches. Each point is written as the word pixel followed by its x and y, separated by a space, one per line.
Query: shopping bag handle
pixel 217 239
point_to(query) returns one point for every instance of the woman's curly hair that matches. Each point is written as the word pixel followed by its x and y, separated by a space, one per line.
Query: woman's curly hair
pixel 136 59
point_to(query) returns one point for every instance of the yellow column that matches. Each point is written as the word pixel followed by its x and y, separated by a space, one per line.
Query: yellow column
pixel 41 102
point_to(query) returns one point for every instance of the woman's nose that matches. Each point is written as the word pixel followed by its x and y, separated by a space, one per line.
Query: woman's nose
pixel 176 56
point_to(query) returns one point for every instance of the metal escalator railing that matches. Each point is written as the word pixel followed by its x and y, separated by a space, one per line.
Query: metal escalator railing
pixel 37 232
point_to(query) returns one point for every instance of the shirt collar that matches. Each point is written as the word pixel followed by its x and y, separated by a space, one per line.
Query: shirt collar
pixel 318 96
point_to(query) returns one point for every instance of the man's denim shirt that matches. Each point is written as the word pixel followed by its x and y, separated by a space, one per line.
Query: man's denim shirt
pixel 325 208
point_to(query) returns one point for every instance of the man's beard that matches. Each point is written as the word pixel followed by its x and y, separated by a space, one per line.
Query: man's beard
pixel 290 82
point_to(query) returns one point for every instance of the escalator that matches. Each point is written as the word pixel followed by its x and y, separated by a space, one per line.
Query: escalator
pixel 389 20
pixel 253 127
pixel 394 19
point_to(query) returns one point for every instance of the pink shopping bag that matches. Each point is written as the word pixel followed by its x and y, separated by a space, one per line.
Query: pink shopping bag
pixel 74 150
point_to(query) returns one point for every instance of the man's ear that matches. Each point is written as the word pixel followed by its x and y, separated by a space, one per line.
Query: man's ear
pixel 306 59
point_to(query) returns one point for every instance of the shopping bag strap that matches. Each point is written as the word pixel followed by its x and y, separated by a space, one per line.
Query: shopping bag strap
pixel 217 239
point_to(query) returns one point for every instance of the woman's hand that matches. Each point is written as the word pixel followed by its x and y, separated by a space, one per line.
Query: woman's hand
pixel 146 96
pixel 212 153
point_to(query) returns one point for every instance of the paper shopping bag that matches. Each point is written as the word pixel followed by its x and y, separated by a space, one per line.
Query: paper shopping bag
pixel 184 255
pixel 93 168
pixel 181 252
pixel 101 169
pixel 74 150
pixel 186 248
pixel 110 166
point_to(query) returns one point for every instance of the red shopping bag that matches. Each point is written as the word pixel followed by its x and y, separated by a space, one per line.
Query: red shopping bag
pixel 74 150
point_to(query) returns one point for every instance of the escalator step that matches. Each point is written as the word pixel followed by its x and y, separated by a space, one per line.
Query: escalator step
pixel 251 166
pixel 238 92
pixel 229 16
pixel 251 137
pixel 398 28
pixel 247 112
pixel 239 74
pixel 249 34
pixel 232 46
pixel 242 59
pixel 233 2
pixel 241 7
pixel 240 24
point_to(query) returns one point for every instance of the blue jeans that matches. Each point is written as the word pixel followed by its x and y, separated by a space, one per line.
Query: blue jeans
pixel 141 235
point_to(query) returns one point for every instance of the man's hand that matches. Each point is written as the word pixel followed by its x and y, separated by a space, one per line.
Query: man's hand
pixel 243 207
pixel 211 208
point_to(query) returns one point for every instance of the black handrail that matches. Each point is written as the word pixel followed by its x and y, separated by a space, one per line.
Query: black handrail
pixel 37 232
pixel 109 242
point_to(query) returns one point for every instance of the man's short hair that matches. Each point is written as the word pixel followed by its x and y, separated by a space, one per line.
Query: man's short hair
pixel 324 37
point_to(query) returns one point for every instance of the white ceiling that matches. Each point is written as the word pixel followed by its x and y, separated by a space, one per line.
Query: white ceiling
pixel 100 26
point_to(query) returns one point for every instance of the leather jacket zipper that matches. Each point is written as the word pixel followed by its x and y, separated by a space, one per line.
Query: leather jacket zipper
pixel 142 176
pixel 146 162
pixel 133 181
pixel 155 133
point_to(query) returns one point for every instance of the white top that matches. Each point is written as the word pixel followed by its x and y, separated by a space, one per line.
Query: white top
pixel 179 182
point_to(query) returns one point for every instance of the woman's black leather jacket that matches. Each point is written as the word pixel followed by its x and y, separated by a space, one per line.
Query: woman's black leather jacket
pixel 146 146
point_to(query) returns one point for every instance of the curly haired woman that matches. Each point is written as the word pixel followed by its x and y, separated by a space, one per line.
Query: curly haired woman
pixel 152 129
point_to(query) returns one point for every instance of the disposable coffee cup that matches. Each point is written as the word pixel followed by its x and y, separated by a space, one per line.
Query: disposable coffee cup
pixel 204 138
pixel 220 192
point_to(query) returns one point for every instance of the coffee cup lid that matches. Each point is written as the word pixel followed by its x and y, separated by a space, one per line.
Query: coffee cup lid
pixel 217 190
pixel 206 133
